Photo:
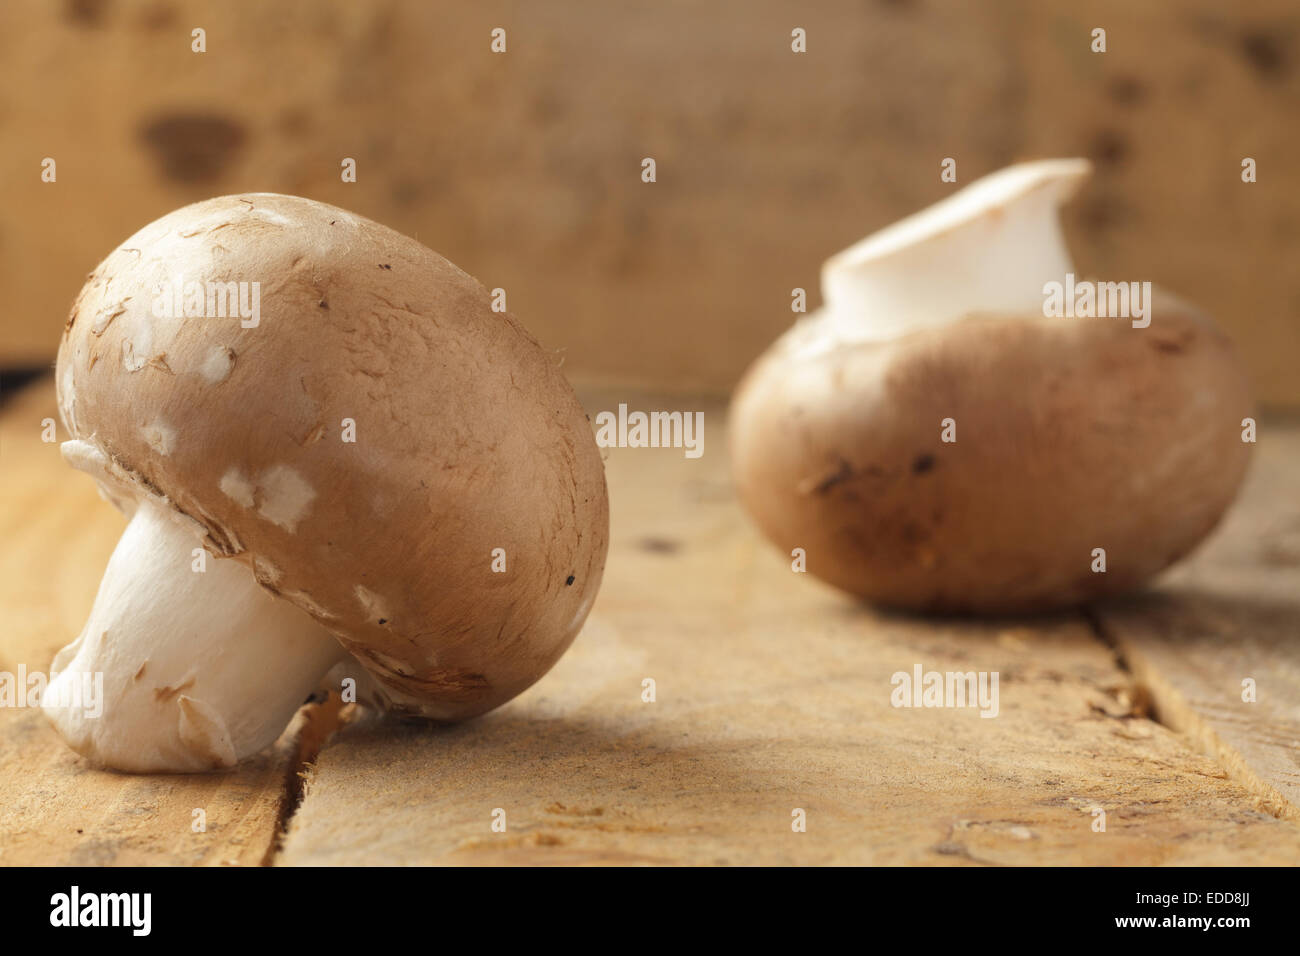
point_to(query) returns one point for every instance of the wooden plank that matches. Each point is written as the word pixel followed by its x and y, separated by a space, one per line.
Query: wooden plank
pixel 768 161
pixel 773 693
pixel 54 809
pixel 1231 614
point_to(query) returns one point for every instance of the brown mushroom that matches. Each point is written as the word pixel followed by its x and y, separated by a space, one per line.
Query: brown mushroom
pixel 933 440
pixel 372 460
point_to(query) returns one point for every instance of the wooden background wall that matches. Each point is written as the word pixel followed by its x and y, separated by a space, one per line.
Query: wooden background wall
pixel 524 168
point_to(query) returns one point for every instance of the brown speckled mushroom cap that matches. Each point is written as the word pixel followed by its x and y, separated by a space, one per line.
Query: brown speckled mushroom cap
pixel 467 439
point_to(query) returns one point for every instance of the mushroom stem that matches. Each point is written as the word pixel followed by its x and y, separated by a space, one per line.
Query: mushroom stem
pixel 988 248
pixel 199 668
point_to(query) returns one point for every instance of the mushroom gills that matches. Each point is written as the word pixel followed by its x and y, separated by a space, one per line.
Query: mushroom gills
pixel 178 669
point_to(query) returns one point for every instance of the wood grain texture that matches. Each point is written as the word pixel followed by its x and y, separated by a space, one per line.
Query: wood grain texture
pixel 1232 613
pixel 55 809
pixel 773 693
pixel 768 161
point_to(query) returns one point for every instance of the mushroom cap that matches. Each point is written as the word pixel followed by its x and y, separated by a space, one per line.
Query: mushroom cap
pixel 467 439
pixel 1071 434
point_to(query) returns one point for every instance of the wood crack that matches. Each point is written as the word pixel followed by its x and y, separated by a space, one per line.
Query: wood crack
pixel 1168 707
pixel 319 720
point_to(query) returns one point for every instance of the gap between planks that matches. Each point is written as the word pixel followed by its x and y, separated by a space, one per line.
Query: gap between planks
pixel 1166 705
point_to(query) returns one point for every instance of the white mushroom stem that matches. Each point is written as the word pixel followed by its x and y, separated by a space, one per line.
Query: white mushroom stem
pixel 199 668
pixel 989 248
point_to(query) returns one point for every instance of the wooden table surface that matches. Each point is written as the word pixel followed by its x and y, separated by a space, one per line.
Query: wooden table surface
pixel 772 694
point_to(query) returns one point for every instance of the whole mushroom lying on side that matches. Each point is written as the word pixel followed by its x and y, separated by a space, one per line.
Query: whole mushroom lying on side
pixel 934 440
pixel 375 462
